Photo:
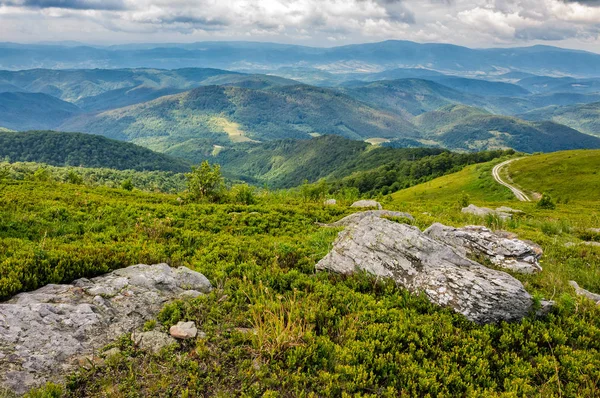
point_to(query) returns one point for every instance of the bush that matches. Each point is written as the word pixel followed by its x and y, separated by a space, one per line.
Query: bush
pixel 546 202
pixel 74 178
pixel 127 185
pixel 243 194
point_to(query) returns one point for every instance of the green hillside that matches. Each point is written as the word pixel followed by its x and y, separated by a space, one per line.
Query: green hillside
pixel 409 97
pixel 75 149
pixel 274 327
pixel 225 115
pixel 480 132
pixel 446 116
pixel 582 117
pixel 282 164
pixel 103 89
pixel 475 181
pixel 482 87
pixel 30 111
pixel 572 175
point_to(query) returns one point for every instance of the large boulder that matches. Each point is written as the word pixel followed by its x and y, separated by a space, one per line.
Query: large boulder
pixel 45 333
pixel 512 254
pixel 421 264
pixel 367 204
pixel 355 218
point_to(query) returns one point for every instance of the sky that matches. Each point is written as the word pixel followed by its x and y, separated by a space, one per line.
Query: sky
pixel 473 23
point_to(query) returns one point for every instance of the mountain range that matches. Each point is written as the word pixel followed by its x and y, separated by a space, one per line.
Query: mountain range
pixel 396 94
pixel 373 57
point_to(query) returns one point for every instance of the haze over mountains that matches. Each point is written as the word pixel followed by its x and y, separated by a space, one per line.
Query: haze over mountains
pixel 371 57
pixel 392 93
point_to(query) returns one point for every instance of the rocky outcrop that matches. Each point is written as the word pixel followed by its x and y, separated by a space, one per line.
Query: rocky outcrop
pixel 44 333
pixel 585 293
pixel 366 204
pixel 505 213
pixel 421 264
pixel 509 253
pixel 355 218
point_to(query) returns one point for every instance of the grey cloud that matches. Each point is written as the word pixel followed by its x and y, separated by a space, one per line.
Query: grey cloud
pixel 68 4
pixel 593 3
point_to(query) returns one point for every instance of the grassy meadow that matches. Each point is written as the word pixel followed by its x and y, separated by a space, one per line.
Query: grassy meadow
pixel 276 328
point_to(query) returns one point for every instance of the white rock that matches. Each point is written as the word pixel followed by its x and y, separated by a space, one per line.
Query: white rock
pixel 421 264
pixel 367 204
pixel 184 330
pixel 42 333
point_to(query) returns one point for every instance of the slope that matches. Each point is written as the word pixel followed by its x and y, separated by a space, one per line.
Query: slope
pixel 221 115
pixel 409 97
pixel 481 87
pixel 26 111
pixel 102 89
pixel 288 163
pixel 75 149
pixel 583 117
pixel 446 116
pixel 569 175
pixel 467 128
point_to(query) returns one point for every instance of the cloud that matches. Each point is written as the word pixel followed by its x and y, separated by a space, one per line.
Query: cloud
pixel 68 4
pixel 317 22
pixel 594 3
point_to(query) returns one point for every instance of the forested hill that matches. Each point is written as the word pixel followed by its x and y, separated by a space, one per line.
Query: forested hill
pixel 76 149
pixel 343 162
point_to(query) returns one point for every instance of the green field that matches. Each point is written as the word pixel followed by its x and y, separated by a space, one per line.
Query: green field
pixel 568 175
pixel 312 334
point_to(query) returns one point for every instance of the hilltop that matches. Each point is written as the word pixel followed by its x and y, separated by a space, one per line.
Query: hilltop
pixel 86 150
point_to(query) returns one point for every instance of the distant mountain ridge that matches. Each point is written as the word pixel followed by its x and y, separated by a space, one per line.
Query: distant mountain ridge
pixel 542 60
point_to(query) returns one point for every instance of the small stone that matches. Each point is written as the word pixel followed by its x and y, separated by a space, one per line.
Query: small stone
pixel 184 330
pixel 367 204
pixel 585 293
pixel 484 211
pixel 152 341
pixel 111 353
pixel 330 202
pixel 191 294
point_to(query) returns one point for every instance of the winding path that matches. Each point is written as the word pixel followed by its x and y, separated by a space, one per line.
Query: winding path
pixel 496 174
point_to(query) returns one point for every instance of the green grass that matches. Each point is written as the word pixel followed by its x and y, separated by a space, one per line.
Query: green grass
pixel 568 175
pixel 276 328
pixel 474 181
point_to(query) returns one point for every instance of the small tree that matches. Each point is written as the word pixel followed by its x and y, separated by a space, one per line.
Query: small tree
pixel 74 178
pixel 546 202
pixel 243 193
pixel 127 185
pixel 205 182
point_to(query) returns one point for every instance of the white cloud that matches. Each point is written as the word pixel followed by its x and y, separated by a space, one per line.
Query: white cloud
pixel 316 22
